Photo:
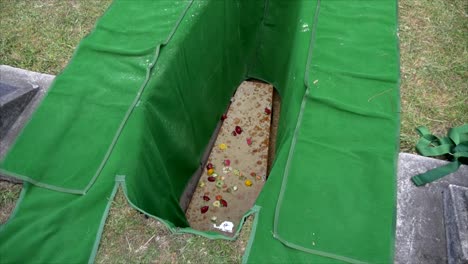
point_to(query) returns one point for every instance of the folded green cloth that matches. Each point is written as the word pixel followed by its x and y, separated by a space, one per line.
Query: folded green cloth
pixel 454 146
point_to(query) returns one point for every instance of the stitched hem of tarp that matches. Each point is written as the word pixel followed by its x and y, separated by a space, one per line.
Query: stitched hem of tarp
pixel 246 256
pixel 97 241
pixel 17 205
pixel 40 184
pixel 299 120
pixel 291 153
pixel 122 123
pixel 397 135
pixel 298 125
pixel 253 61
pixel 318 252
pixel 15 140
pixel 138 96
pixel 187 230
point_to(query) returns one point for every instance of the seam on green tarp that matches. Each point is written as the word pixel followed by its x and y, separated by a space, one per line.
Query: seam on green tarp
pixel 298 124
pixel 187 230
pixel 17 205
pixel 15 140
pixel 97 241
pixel 253 62
pixel 299 119
pixel 318 252
pixel 397 134
pixel 26 178
pixel 138 96
pixel 40 184
pixel 291 154
pixel 311 51
pixel 119 130
pixel 245 258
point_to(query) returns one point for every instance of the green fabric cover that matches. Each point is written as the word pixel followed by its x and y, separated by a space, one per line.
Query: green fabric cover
pixel 144 91
pixel 336 184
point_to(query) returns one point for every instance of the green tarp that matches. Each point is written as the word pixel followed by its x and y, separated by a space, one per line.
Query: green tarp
pixel 335 185
pixel 144 91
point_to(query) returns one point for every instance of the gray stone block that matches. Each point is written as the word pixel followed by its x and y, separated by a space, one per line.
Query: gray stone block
pixel 6 89
pixel 420 236
pixel 456 223
pixel 19 78
pixel 14 77
pixel 13 100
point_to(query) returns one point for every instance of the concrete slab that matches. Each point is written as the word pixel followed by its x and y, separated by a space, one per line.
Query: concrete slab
pixel 13 100
pixel 6 89
pixel 420 236
pixel 15 77
pixel 456 223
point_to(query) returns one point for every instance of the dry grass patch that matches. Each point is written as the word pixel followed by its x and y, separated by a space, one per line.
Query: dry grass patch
pixel 9 193
pixel 130 237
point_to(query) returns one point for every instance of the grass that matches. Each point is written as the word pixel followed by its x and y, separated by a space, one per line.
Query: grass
pixel 434 66
pixel 9 194
pixel 41 36
pixel 130 237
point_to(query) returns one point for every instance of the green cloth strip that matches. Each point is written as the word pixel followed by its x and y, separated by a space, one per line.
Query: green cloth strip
pixel 454 146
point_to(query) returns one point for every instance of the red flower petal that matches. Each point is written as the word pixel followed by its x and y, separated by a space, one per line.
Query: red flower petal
pixel 238 130
pixel 206 198
pixel 223 203
pixel 204 209
pixel 223 117
pixel 267 110
pixel 211 179
pixel 209 166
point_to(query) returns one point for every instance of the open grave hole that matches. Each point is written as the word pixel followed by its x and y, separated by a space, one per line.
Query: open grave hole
pixel 237 161
pixel 239 170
